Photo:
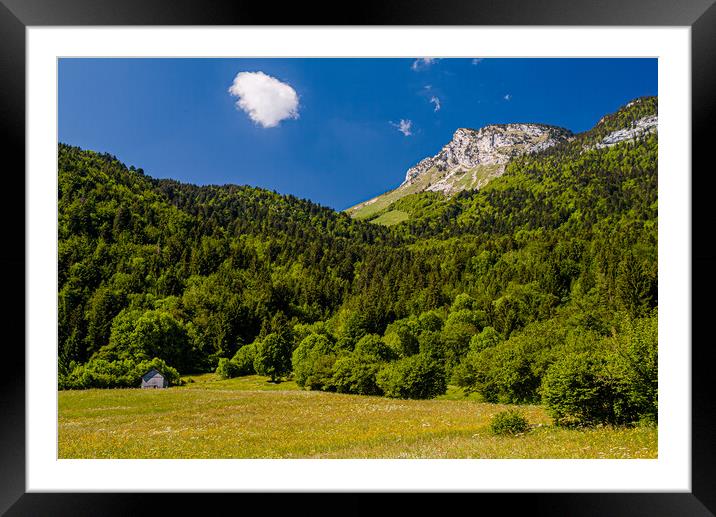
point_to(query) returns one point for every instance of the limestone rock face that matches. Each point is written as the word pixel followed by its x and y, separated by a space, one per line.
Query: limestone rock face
pixel 490 145
pixel 640 127
pixel 469 161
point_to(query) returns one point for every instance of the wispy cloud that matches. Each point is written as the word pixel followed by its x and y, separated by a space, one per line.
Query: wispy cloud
pixel 422 63
pixel 266 100
pixel 404 126
pixel 436 101
pixel 507 97
pixel 477 61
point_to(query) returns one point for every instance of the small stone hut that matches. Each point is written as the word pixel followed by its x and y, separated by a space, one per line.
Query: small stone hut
pixel 154 379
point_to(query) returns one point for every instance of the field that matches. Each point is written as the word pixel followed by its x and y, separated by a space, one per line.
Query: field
pixel 249 417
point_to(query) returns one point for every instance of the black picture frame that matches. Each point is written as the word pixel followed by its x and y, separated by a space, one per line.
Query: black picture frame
pixel 16 15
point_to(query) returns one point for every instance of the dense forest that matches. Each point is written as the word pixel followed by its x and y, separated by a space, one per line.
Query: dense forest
pixel 540 287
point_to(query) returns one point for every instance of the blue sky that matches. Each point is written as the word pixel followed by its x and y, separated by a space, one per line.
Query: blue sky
pixel 336 131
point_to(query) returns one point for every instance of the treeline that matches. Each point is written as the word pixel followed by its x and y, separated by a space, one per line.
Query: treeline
pixel 542 284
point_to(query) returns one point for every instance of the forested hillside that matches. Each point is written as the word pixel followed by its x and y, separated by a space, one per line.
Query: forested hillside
pixel 540 286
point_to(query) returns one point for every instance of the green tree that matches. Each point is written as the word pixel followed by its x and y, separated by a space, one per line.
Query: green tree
pixel 578 390
pixel 244 360
pixel 430 321
pixel 273 357
pixel 159 334
pixel 485 339
pixel 141 335
pixel 634 362
pixel 416 377
pixel 355 372
pixel 463 301
pixel 635 285
pixel 313 362
pixel 402 337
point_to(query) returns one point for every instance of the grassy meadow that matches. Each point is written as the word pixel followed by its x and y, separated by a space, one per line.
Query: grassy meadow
pixel 248 417
pixel 392 217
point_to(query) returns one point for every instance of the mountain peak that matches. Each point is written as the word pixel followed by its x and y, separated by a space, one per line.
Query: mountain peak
pixel 494 144
pixel 473 157
pixel 468 161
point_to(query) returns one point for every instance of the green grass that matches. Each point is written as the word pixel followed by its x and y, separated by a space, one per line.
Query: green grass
pixel 477 177
pixel 456 393
pixel 249 417
pixel 380 206
pixel 390 218
pixel 367 210
pixel 212 381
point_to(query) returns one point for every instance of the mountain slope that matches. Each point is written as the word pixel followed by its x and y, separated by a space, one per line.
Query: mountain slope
pixel 475 158
pixel 469 161
pixel 225 258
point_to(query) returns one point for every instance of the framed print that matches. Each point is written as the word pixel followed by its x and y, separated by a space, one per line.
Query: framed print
pixel 212 221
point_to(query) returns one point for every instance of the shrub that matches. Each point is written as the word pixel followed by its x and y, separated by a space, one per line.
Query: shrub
pixel 577 391
pixel 226 369
pixel 615 382
pixel 241 364
pixel 351 375
pixel 416 377
pixel 511 371
pixel 342 380
pixel 355 372
pixel 511 422
pixel 463 375
pixel 505 373
pixel 313 362
pixel 244 360
pixel 321 375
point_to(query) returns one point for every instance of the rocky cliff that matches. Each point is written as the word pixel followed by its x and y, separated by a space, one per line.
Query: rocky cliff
pixel 490 145
pixel 637 129
pixel 471 159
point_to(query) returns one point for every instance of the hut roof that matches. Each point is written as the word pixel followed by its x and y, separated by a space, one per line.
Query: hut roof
pixel 150 374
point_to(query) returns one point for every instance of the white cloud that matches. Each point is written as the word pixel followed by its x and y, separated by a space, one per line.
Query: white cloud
pixel 422 63
pixel 477 61
pixel 404 126
pixel 436 101
pixel 507 96
pixel 266 100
